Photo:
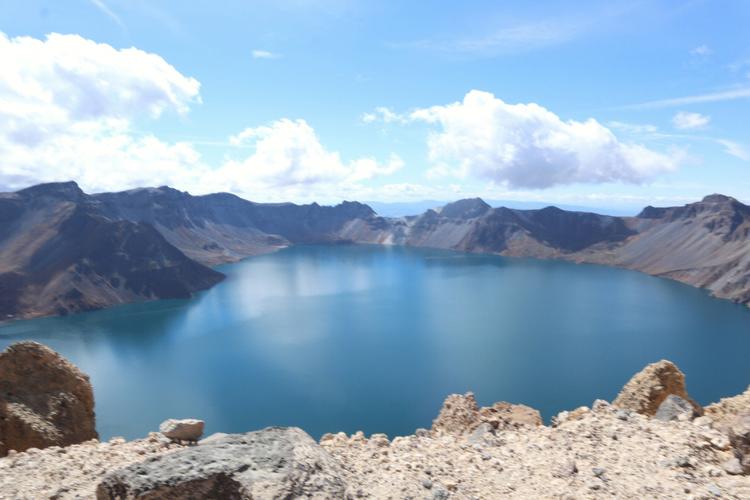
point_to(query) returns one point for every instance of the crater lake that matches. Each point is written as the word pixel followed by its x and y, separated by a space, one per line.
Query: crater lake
pixel 347 338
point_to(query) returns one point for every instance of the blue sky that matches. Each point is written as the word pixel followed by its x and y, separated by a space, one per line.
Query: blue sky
pixel 616 104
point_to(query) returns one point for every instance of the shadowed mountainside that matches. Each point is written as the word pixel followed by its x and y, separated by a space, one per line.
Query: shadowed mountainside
pixel 63 251
pixel 59 255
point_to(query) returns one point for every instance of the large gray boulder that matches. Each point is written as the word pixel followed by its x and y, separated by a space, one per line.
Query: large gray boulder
pixel 675 408
pixel 272 463
pixel 44 400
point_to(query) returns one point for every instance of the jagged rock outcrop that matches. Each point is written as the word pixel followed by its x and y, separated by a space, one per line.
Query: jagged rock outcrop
pixel 647 390
pixel 461 414
pixel 268 464
pixel 44 400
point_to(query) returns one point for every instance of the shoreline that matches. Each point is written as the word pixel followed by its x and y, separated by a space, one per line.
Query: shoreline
pixel 560 258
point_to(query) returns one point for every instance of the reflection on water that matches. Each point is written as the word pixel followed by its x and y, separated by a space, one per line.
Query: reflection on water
pixel 371 338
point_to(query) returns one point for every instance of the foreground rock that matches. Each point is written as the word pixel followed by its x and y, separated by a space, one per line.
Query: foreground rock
pixel 723 412
pixel 272 463
pixel 75 471
pixel 739 436
pixel 596 455
pixel 188 429
pixel 499 451
pixel 44 400
pixel 461 414
pixel 648 389
pixel 675 408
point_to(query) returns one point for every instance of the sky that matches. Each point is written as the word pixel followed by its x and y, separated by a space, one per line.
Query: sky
pixel 602 104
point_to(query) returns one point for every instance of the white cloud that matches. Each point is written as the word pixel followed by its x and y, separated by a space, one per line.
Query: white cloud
pixel 67 111
pixel 735 149
pixel 264 54
pixel 702 50
pixel 492 35
pixel 525 145
pixel 634 128
pixel 289 152
pixel 104 8
pixel 724 95
pixel 66 107
pixel 507 39
pixel 685 120
pixel 385 115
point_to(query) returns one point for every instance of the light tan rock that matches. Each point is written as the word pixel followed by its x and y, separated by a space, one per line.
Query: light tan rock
pixel 187 429
pixel 460 414
pixel 44 400
pixel 599 453
pixel 646 391
pixel 725 410
pixel 739 437
pixel 504 415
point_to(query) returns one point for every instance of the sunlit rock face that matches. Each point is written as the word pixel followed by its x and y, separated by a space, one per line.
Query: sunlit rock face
pixel 44 400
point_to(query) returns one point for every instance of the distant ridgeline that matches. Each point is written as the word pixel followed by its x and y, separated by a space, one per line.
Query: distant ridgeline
pixel 64 251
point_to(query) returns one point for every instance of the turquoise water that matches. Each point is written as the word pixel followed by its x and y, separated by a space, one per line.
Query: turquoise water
pixel 348 338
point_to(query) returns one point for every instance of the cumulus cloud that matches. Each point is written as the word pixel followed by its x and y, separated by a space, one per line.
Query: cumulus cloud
pixel 68 107
pixel 289 152
pixel 528 146
pixel 685 120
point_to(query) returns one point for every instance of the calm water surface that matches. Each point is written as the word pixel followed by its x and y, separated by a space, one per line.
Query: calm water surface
pixel 355 337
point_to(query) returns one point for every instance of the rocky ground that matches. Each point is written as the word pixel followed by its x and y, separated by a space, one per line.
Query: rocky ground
pixel 73 471
pixel 599 453
pixel 653 441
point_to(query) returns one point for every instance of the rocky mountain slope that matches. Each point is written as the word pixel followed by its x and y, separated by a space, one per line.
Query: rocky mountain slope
pixel 222 227
pixel 704 244
pixel 63 251
pixel 640 446
pixel 59 254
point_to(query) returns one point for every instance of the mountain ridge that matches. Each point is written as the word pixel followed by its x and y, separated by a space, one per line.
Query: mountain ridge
pixel 103 249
